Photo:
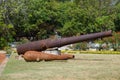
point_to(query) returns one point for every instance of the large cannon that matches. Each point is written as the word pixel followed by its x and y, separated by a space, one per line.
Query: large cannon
pixel 42 45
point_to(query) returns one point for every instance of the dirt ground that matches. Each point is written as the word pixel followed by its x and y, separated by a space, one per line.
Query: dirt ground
pixel 2 57
pixel 3 61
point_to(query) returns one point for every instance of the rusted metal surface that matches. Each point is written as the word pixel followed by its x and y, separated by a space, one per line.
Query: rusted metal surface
pixel 50 43
pixel 38 56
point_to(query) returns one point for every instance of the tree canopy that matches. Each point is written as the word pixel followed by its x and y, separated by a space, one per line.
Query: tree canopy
pixel 41 18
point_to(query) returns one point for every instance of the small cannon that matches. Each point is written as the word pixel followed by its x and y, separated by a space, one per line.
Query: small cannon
pixel 38 56
pixel 42 45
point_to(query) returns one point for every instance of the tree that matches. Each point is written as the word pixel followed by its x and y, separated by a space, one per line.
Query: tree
pixel 117 19
pixel 6 28
pixel 41 18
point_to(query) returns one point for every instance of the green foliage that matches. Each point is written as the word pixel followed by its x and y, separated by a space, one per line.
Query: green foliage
pixel 93 52
pixel 80 46
pixel 102 23
pixel 101 52
pixel 6 34
pixel 8 50
pixel 40 18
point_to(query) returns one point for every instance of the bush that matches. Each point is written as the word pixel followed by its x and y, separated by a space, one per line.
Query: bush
pixel 92 52
pixel 6 32
pixel 80 46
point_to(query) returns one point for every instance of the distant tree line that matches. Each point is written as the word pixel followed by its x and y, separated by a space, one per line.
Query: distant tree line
pixel 41 18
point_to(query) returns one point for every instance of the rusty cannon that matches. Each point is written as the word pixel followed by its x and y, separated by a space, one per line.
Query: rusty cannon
pixel 42 45
pixel 39 56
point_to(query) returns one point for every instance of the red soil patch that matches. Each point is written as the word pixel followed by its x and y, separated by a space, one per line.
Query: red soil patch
pixel 2 57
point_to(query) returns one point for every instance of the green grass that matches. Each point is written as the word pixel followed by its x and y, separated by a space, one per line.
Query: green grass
pixel 83 67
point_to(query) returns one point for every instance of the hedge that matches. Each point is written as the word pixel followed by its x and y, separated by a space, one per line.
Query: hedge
pixel 91 52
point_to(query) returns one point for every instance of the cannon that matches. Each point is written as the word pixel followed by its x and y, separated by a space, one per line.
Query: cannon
pixel 39 56
pixel 42 45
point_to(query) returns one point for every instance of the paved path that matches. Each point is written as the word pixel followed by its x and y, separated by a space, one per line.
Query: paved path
pixel 2 65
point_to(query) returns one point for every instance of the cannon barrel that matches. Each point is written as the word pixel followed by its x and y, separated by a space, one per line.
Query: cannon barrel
pixel 38 56
pixel 42 45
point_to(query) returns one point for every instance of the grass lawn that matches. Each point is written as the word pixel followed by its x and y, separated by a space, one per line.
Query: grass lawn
pixel 83 67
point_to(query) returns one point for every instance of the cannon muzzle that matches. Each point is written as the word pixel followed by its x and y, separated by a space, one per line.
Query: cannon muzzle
pixel 42 45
